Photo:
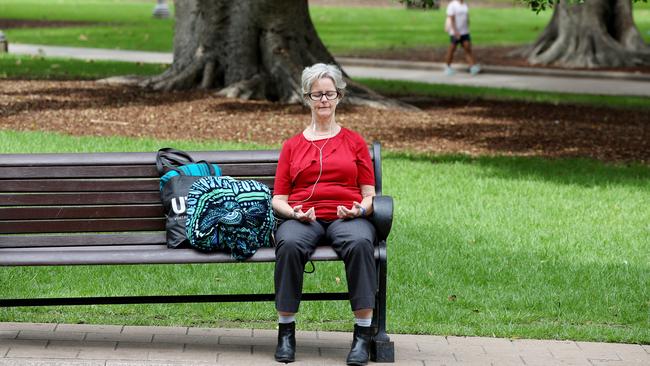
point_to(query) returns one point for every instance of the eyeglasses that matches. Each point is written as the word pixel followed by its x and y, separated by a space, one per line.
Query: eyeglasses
pixel 329 95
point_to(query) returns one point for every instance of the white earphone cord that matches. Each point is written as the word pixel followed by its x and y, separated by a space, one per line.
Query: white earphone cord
pixel 320 153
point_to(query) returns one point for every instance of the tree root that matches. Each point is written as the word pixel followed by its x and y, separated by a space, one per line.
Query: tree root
pixel 176 80
pixel 578 37
pixel 252 88
pixel 586 51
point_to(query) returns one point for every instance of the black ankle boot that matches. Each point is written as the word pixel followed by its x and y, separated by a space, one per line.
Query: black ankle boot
pixel 360 345
pixel 286 349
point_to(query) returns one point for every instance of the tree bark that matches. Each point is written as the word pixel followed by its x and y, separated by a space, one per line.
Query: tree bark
pixel 596 33
pixel 249 49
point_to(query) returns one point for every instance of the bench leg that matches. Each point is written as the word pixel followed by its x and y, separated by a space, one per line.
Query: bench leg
pixel 381 348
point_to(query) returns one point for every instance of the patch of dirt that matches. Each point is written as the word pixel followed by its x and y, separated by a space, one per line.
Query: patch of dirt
pixel 443 126
pixel 44 23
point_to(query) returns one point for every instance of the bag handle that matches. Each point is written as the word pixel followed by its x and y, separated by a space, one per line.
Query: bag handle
pixel 170 158
pixel 210 167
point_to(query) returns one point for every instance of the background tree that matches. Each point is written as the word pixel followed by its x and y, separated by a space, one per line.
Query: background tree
pixel 250 49
pixel 583 33
pixel 590 33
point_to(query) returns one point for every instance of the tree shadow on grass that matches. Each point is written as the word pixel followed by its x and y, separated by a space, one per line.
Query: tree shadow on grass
pixel 535 129
pixel 560 139
pixel 568 171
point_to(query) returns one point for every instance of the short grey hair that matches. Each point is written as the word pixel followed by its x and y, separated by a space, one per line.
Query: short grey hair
pixel 319 71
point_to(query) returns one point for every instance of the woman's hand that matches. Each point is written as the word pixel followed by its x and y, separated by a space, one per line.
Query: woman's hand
pixel 344 213
pixel 308 216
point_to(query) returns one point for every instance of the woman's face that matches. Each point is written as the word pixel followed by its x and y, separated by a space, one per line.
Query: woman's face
pixel 323 108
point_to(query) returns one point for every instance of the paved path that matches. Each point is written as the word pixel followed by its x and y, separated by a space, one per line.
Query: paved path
pixel 596 86
pixel 585 82
pixel 23 344
pixel 92 53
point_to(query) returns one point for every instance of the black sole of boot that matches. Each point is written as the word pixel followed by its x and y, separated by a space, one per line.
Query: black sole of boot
pixel 285 360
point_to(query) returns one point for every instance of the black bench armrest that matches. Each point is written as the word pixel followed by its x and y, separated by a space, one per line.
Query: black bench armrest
pixel 382 215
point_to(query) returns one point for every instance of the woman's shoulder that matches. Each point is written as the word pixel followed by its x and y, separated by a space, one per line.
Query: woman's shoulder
pixel 293 140
pixel 353 136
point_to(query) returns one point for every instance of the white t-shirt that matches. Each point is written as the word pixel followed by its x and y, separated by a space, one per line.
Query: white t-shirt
pixel 460 12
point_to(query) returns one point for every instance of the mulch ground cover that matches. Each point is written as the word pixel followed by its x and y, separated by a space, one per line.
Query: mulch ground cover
pixel 474 127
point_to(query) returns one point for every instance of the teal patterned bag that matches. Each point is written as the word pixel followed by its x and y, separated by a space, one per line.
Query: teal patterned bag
pixel 230 215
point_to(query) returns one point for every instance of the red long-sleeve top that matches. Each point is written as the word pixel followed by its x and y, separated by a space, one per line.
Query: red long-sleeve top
pixel 346 166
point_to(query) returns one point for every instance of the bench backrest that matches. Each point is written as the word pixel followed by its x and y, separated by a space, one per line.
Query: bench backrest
pixel 50 200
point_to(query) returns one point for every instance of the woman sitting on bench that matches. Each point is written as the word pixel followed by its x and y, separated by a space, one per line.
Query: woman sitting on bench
pixel 323 189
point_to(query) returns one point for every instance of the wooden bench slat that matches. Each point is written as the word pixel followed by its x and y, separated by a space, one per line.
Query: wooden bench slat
pixel 91 185
pixel 79 212
pixel 57 198
pixel 63 226
pixel 249 170
pixel 36 257
pixel 83 242
pixel 69 240
pixel 124 171
pixel 79 185
pixel 135 158
pixel 91 248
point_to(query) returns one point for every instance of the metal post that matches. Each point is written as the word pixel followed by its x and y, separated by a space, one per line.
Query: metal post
pixel 161 11
pixel 4 44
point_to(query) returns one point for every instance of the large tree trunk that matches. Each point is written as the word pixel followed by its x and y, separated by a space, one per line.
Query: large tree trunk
pixel 596 33
pixel 249 49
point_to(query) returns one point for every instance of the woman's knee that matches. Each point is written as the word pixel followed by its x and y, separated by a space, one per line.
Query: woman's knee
pixel 289 246
pixel 361 245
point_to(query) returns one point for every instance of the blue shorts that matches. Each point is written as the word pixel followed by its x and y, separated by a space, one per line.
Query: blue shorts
pixel 463 38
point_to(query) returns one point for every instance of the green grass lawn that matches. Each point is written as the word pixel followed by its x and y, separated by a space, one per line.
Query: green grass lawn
pixel 126 24
pixel 120 24
pixel 491 246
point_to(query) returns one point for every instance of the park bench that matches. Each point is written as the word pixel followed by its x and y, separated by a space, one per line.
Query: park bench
pixel 105 209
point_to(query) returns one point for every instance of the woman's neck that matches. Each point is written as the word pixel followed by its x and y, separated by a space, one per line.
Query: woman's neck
pixel 321 131
pixel 323 127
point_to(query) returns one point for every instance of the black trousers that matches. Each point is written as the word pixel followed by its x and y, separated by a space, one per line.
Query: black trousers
pixel 353 240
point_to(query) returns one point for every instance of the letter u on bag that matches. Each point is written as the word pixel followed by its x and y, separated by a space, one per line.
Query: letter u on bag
pixel 178 205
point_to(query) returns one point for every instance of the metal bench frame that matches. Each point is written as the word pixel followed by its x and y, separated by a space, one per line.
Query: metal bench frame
pixel 105 209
